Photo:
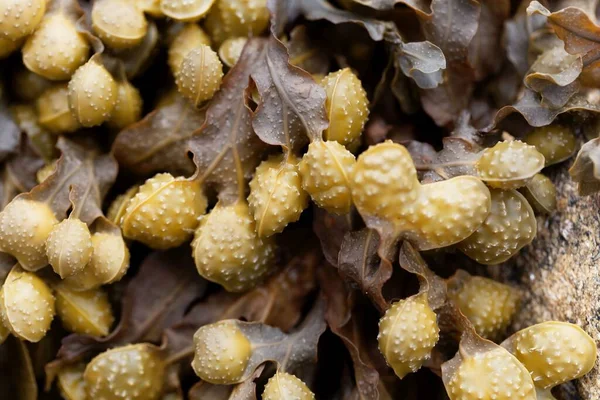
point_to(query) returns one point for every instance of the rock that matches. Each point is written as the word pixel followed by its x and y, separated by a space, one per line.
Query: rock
pixel 559 273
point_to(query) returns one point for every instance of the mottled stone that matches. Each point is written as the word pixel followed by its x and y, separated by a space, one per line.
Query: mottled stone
pixel 559 272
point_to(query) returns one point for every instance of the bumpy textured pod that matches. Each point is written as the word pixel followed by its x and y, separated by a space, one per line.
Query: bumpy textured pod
pixel 276 195
pixel 190 37
pixel 92 94
pixel 117 208
pixel 325 169
pixel 540 192
pixel 164 212
pixel 231 50
pixel 110 261
pixel 120 24
pixel 43 142
pixel 85 312
pixel 53 110
pixel 69 247
pixel 407 333
pixel 488 304
pixel 346 105
pixel 494 374
pixel 43 173
pixel 128 107
pixel 227 250
pixel 56 49
pixel 134 372
pixel 449 211
pixel 384 182
pixel 200 75
pixel 510 226
pixel 24 228
pixel 19 18
pixel 70 382
pixel 509 164
pixel 554 352
pixel 221 353
pixel 26 304
pixel 556 142
pixel 236 18
pixel 185 10
pixel 28 86
pixel 150 7
pixel 4 332
pixel 282 386
pixel 385 185
pixel 26 118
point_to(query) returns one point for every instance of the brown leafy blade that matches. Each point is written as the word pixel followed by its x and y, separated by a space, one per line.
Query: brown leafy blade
pixel 321 9
pixel 242 391
pixel 422 61
pixel 516 38
pixel 279 302
pixel 422 153
pixel 518 34
pixel 19 173
pixel 18 377
pixel 40 141
pixel 292 351
pixel 44 351
pixel 166 284
pixel 10 133
pixel 292 105
pixel 456 158
pixel 156 298
pixel 247 390
pixel 159 141
pixel 305 53
pixel 392 80
pixel 483 53
pixel 404 91
pixel 554 76
pixel 136 60
pixel 445 102
pixel 465 131
pixel 586 168
pixel 347 325
pixel 204 390
pixel 452 25
pixel 419 6
pixel 282 13
pixel 74 348
pixel 82 178
pixel 361 263
pixel 226 150
pixel 411 261
pixel 331 229
pixel 575 28
pixel 531 109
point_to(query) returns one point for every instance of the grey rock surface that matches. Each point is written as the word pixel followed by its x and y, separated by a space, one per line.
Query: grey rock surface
pixel 559 273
